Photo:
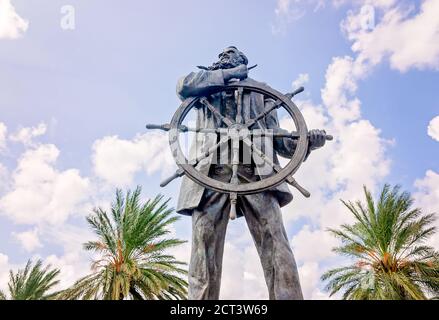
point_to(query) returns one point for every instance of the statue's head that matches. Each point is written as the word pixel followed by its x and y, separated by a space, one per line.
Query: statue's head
pixel 230 57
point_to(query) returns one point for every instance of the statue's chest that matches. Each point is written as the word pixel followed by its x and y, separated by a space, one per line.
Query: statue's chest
pixel 228 104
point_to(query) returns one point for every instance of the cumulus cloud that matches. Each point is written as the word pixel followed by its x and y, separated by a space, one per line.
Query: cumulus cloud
pixel 117 160
pixel 288 11
pixel 29 240
pixel 40 193
pixel 301 80
pixel 433 128
pixel 27 134
pixel 12 26
pixel 74 262
pixel 309 279
pixel 427 198
pixel 358 155
pixel 3 131
pixel 312 245
pixel 242 272
pixel 3 169
pixel 407 39
pixel 4 271
pixel 382 4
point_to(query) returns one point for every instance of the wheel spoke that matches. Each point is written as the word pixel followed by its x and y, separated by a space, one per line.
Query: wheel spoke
pixel 263 114
pixel 211 150
pixel 235 161
pixel 217 114
pixel 276 105
pixel 274 133
pixel 276 167
pixel 184 128
pixel 177 174
pixel 280 133
pixel 261 154
pixel 181 128
pixel 180 172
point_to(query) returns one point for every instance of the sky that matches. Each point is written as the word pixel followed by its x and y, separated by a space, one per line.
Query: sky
pixel 80 79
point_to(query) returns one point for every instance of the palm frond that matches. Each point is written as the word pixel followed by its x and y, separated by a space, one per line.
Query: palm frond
pixel 131 245
pixel 387 241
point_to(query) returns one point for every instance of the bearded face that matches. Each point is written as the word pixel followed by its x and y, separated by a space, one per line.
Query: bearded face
pixel 229 58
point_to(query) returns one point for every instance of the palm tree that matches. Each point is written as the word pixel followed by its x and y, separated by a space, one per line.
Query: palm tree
pixel 131 247
pixel 32 283
pixel 388 243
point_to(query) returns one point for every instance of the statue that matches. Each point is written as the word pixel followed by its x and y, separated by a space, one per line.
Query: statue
pixel 244 180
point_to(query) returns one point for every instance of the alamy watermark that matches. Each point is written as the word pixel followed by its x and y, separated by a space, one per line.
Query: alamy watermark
pixel 367 17
pixel 68 17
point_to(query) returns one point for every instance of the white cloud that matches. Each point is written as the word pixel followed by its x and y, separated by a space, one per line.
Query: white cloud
pixel 312 245
pixel 4 272
pixel 117 160
pixel 40 193
pixel 3 177
pixel 408 40
pixel 29 240
pixel 427 198
pixel 427 194
pixel 3 169
pixel 72 266
pixel 358 154
pixel 433 128
pixel 356 157
pixel 288 11
pixel 309 279
pixel 27 134
pixel 301 80
pixel 339 170
pixel 74 262
pixel 382 4
pixel 342 77
pixel 242 272
pixel 12 26
pixel 3 130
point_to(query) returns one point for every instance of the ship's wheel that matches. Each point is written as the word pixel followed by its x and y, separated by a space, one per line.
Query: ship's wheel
pixel 238 132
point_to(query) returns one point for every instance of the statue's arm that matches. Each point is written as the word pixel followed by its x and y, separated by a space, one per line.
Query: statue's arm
pixel 204 82
pixel 199 83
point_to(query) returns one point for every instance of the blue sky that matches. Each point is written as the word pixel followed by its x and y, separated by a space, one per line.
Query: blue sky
pixel 94 88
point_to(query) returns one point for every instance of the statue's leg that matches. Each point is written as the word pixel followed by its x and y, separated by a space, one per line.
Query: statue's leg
pixel 209 223
pixel 264 219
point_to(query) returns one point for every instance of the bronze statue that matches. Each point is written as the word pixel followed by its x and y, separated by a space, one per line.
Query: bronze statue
pixel 234 170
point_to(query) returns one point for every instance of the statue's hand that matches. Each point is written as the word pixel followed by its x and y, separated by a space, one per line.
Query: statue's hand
pixel 317 139
pixel 240 72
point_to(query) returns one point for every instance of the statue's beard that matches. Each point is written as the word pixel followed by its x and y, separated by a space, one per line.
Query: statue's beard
pixel 226 64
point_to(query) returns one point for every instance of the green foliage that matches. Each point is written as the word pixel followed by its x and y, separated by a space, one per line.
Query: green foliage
pixel 31 283
pixel 131 247
pixel 388 243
